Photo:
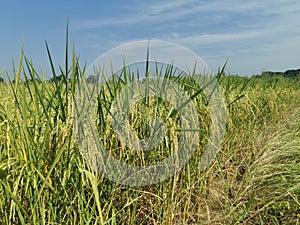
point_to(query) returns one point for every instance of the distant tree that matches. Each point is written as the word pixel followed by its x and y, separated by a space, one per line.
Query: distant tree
pixel 14 81
pixel 271 74
pixel 292 73
pixel 91 79
pixel 258 76
pixel 35 79
pixel 288 74
pixel 57 78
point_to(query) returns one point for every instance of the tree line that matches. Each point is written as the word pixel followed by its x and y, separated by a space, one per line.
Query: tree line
pixel 294 74
pixel 288 73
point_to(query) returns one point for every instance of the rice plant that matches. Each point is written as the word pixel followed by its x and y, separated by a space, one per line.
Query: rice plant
pixel 44 178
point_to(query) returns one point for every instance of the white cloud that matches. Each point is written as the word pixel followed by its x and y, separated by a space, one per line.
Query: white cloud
pixel 202 11
pixel 169 6
pixel 247 32
pixel 210 39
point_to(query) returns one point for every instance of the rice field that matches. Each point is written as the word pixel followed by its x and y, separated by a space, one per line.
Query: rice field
pixel 44 178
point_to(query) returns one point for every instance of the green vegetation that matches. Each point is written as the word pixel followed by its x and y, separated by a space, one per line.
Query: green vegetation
pixel 45 180
pixel 289 73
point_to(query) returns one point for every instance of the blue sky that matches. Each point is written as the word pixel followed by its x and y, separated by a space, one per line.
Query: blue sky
pixel 254 35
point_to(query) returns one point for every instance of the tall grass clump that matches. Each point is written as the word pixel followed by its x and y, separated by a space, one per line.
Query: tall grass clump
pixel 44 179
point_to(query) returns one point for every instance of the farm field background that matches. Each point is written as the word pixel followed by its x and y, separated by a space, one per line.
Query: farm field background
pixel 44 179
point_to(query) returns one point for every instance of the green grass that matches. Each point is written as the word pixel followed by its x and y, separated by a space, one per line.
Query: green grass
pixel 45 180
